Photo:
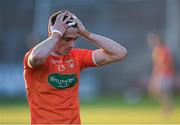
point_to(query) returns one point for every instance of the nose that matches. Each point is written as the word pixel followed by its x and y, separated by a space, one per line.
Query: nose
pixel 72 43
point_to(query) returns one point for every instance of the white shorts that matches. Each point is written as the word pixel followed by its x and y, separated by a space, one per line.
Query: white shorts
pixel 166 84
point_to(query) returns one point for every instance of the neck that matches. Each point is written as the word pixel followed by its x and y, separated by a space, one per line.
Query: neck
pixel 55 54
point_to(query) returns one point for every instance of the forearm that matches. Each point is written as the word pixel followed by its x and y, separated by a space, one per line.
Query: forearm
pixel 108 45
pixel 40 52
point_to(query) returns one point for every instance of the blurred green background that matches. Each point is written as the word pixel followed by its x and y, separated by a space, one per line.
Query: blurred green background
pixel 114 93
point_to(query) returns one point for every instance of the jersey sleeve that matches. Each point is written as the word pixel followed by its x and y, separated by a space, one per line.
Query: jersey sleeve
pixel 85 58
pixel 26 59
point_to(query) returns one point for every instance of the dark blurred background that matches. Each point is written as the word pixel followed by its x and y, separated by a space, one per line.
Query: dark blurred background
pixel 23 24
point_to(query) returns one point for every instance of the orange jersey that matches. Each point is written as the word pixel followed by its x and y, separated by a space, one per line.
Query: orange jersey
pixel 162 61
pixel 52 89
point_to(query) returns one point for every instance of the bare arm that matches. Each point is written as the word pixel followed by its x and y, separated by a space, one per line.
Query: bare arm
pixel 41 51
pixel 109 51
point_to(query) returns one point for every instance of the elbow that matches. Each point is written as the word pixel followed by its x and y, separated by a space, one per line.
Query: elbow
pixel 37 58
pixel 35 61
pixel 122 54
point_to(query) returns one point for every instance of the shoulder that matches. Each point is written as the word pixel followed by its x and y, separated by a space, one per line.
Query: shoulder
pixel 27 54
pixel 74 50
pixel 79 50
pixel 81 53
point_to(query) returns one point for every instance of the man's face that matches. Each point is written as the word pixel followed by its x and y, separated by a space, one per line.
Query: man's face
pixel 67 42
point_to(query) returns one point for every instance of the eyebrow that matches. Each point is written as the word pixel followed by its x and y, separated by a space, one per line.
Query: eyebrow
pixel 70 37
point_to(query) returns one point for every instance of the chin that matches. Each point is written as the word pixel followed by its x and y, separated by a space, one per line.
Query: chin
pixel 65 53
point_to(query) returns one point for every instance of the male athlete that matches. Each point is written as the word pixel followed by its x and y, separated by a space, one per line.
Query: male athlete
pixel 161 81
pixel 52 69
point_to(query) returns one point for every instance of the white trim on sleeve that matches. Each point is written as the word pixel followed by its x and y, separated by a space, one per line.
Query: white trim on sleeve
pixel 94 59
pixel 29 62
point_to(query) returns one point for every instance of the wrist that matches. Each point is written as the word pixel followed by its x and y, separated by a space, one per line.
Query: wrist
pixel 56 35
pixel 86 34
pixel 56 32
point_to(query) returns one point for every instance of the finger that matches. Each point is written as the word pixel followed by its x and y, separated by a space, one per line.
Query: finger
pixel 68 18
pixel 75 17
pixel 77 21
pixel 60 16
pixel 67 12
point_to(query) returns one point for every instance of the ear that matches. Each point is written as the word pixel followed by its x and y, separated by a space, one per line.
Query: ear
pixel 49 28
pixel 49 34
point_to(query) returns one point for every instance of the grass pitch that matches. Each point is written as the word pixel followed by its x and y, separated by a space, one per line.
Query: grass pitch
pixel 101 111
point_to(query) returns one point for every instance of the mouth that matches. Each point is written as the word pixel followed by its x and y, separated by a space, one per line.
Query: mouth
pixel 67 50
